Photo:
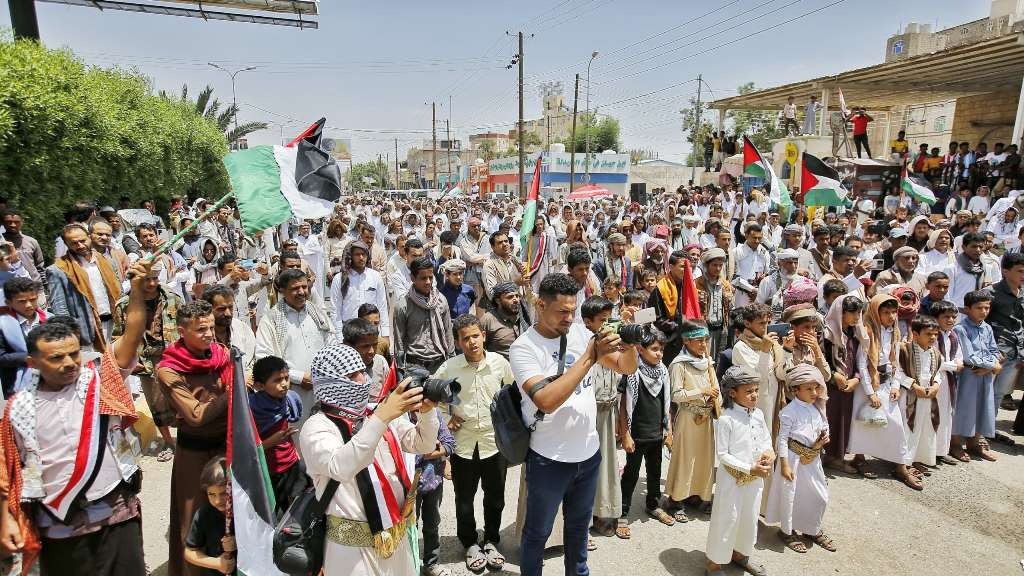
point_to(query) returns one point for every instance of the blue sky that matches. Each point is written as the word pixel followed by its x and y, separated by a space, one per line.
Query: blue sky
pixel 376 66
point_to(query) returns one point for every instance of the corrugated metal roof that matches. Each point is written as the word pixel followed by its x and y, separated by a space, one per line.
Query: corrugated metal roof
pixel 994 65
pixel 249 11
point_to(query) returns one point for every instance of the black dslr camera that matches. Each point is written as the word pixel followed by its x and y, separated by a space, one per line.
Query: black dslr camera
pixel 630 333
pixel 434 389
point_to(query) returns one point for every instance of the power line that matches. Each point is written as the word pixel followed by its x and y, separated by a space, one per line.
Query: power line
pixel 730 42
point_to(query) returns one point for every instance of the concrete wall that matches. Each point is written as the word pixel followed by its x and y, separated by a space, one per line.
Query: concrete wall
pixel 987 117
pixel 667 177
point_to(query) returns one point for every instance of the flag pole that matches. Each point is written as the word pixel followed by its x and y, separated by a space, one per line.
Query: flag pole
pixel 204 216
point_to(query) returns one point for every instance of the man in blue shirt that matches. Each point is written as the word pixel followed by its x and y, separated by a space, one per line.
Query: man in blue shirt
pixel 460 296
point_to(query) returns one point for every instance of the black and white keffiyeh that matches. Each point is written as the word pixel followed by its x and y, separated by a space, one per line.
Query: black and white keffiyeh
pixel 332 386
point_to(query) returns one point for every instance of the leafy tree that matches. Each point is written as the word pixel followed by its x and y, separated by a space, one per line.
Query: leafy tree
pixel 487 151
pixel 209 107
pixel 698 129
pixel 378 173
pixel 603 134
pixel 758 125
pixel 69 133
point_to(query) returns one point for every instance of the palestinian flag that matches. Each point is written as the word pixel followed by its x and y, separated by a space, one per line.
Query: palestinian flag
pixel 252 497
pixel 821 183
pixel 915 187
pixel 757 166
pixel 753 163
pixel 530 211
pixel 272 184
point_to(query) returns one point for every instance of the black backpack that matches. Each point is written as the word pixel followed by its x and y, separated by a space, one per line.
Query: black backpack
pixel 300 533
pixel 511 433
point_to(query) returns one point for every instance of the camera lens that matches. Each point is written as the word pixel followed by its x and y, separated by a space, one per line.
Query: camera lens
pixel 634 333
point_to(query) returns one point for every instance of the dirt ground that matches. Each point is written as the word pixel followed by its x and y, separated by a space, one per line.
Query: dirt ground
pixel 968 520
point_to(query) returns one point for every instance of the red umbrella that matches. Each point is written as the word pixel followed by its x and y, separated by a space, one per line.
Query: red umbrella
pixel 590 192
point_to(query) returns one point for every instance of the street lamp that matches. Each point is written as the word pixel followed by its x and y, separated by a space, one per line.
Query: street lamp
pixel 589 120
pixel 234 102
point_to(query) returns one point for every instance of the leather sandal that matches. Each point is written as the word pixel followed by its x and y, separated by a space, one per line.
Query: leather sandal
pixel 912 482
pixel 824 541
pixel 793 542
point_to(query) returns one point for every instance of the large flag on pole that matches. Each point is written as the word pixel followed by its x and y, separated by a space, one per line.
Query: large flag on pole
pixel 530 210
pixel 915 187
pixel 821 183
pixel 252 497
pixel 756 165
pixel 272 184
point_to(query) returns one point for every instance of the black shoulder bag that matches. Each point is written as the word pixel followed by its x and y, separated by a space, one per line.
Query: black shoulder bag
pixel 511 433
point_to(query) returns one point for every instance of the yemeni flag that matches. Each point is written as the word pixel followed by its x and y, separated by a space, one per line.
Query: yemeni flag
pixel 252 498
pixel 530 212
pixel 821 183
pixel 272 184
pixel 915 187
pixel 755 165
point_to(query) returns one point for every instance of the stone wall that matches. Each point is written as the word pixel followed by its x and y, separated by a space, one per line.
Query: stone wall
pixel 987 117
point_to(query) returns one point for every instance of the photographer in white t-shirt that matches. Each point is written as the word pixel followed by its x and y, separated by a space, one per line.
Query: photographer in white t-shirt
pixel 564 447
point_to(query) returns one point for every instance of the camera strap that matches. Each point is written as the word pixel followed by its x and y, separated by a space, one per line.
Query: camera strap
pixel 562 343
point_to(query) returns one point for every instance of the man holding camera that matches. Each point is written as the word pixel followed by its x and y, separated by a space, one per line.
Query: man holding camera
pixel 476 459
pixel 551 363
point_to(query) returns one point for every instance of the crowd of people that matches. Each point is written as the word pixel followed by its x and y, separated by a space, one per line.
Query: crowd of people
pixel 877 338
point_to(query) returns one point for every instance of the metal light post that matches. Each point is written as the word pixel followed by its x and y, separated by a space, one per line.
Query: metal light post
pixel 234 101
pixel 589 121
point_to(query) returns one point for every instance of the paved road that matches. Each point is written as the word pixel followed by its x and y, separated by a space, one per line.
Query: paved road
pixel 968 520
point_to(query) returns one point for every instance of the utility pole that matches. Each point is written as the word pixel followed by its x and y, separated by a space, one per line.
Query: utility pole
pixel 547 140
pixel 23 19
pixel 448 133
pixel 590 119
pixel 398 183
pixel 378 172
pixel 522 148
pixel 695 130
pixel 448 150
pixel 433 130
pixel 572 149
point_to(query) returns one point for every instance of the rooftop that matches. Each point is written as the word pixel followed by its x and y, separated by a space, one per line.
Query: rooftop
pixel 995 65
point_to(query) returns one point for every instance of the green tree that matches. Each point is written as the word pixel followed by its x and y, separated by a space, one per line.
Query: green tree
pixel 487 151
pixel 603 134
pixel 377 173
pixel 209 107
pixel 698 129
pixel 68 133
pixel 758 125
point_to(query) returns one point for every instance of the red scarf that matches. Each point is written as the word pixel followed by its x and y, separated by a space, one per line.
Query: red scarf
pixel 178 358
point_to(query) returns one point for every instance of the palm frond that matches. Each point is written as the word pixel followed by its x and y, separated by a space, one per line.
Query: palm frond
pixel 225 118
pixel 203 100
pixel 244 130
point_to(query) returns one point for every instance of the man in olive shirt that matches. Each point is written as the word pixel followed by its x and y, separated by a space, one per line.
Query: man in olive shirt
pixel 476 459
pixel 504 320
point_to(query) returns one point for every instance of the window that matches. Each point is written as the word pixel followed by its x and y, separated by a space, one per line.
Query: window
pixel 964 31
pixel 897 47
pixel 940 124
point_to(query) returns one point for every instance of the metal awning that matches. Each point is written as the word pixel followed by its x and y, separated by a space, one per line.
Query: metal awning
pixel 995 65
pixel 271 12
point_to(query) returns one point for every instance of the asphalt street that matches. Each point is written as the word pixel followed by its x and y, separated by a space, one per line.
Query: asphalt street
pixel 968 520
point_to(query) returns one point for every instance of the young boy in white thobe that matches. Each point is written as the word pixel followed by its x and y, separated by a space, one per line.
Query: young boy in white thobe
pixel 946 314
pixel 745 458
pixel 921 363
pixel 799 493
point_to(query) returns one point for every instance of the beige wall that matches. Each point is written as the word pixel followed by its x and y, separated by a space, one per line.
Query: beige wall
pixel 987 117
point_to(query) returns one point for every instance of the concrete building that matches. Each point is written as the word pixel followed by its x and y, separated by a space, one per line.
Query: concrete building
pixel 915 39
pixel 554 125
pixel 932 122
pixel 451 158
